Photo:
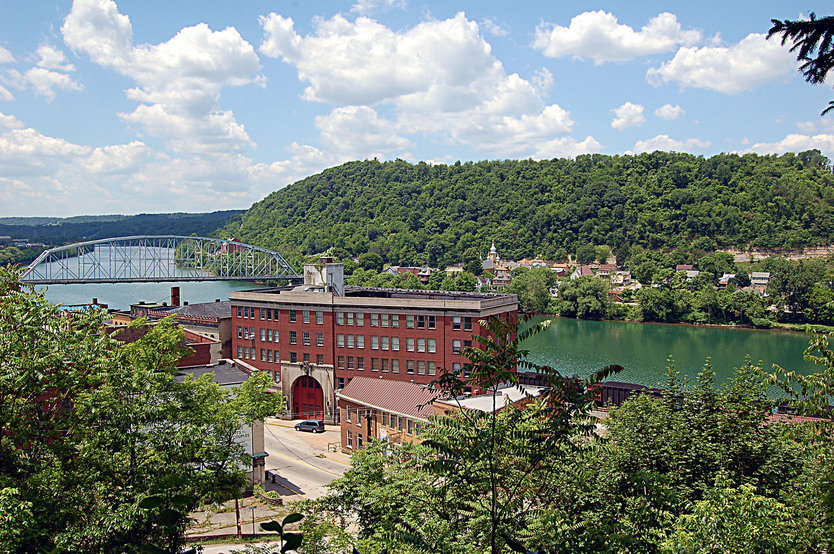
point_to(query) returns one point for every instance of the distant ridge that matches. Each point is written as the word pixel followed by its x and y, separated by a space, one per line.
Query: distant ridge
pixel 439 214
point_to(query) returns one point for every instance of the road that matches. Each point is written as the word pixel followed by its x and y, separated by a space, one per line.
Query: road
pixel 301 460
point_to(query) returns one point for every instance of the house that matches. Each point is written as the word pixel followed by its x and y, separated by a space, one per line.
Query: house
pixel 759 278
pixel 621 278
pixel 454 269
pixel 581 271
pixel 691 273
pixel 684 267
pixel 606 270
pixel 502 277
pixel 725 280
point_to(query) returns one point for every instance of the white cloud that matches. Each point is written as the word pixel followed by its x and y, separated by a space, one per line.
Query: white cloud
pixel 666 143
pixel 6 56
pixel 358 131
pixel 795 142
pixel 822 124
pixel 42 81
pixel 598 36
pixel 439 76
pixel 49 57
pixel 179 81
pixel 364 7
pixel 5 94
pixel 628 115
pixel 492 27
pixel 8 122
pixel 669 112
pixel 728 69
pixel 566 147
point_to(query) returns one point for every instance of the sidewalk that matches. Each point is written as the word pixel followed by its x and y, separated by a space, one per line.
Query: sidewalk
pixel 320 442
pixel 224 522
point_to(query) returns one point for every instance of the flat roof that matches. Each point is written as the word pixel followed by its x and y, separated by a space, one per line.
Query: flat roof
pixel 382 298
pixel 226 372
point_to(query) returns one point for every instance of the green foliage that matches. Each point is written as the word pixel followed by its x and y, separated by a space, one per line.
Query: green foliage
pixel 91 427
pixel 585 254
pixel 533 289
pixel 416 214
pixel 584 297
pixel 371 260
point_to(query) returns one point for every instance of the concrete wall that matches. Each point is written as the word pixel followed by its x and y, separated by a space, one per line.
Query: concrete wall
pixel 323 374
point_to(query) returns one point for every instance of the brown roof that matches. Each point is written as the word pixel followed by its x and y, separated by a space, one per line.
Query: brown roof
pixel 791 418
pixel 401 397
pixel 607 267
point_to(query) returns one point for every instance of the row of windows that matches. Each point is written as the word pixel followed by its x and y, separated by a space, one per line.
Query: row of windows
pixel 357 318
pixel 386 365
pixel 391 421
pixel 270 314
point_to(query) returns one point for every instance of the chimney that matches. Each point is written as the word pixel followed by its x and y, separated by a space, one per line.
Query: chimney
pixel 95 301
pixel 326 260
pixel 185 303
pixel 175 296
pixel 217 300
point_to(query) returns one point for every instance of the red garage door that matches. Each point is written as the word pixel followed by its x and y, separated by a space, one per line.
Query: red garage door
pixel 307 399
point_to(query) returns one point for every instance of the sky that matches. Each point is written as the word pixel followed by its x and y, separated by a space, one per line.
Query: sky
pixel 135 106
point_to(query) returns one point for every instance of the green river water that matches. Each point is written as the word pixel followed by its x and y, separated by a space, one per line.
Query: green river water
pixel 579 347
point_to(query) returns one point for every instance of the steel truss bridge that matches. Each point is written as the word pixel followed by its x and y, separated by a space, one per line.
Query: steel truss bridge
pixel 148 259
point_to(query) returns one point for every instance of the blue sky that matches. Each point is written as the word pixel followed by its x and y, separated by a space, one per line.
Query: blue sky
pixel 139 106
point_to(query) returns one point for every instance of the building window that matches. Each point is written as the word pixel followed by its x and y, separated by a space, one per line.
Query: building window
pixel 340 363
pixel 409 321
pixel 340 318
pixel 269 356
pixel 409 367
pixel 293 357
pixel 421 322
pixel 360 363
pixel 305 357
pixel 350 363
pixel 340 340
pixel 456 367
pixel 239 332
pixel 395 366
pixel 350 342
pixel 268 335
pixel 431 368
pixel 384 319
pixel 421 345
pixel 347 416
pixel 276 357
pixel 360 319
pixel 374 342
pixel 251 333
pixel 409 344
pixel 358 440
pixel 399 423
pixel 456 347
pixel 467 323
pixel 292 316
pixel 262 313
pixel 456 323
pixel 293 337
pixel 385 343
pixel 374 364
pixel 319 359
pixel 305 338
pixel 395 343
pixel 431 322
pixel 421 367
pixel 319 339
pixel 409 428
pixel 239 351
pixel 374 320
pixel 275 335
pixel 269 314
pixel 239 311
pixel 385 419
pixel 305 316
pixel 263 354
pixel 432 345
pixel 350 318
pixel 340 382
pixel 263 335
pixel 360 341
pixel 384 365
pixel 319 318
pixel 349 438
pixel 467 344
pixel 395 321
pixel 358 418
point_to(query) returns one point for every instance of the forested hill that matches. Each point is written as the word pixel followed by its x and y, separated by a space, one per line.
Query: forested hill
pixel 437 214
pixel 57 231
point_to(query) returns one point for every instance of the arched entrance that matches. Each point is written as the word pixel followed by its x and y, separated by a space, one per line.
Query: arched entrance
pixel 307 398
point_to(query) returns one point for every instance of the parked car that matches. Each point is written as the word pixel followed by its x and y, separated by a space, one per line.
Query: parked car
pixel 311 425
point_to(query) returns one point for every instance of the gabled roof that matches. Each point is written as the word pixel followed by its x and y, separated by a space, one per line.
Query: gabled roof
pixel 205 309
pixel 400 397
pixel 226 373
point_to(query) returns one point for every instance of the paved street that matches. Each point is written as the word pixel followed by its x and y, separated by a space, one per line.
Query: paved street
pixel 301 460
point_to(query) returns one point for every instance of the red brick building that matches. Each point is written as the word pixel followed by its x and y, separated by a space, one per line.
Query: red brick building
pixel 329 334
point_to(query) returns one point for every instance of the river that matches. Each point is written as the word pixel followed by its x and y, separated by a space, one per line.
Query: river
pixel 579 347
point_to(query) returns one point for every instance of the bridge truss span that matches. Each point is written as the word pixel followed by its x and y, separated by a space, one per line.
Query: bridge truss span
pixel 156 258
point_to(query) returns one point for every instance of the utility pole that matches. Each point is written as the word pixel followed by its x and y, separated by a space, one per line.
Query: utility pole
pixel 237 516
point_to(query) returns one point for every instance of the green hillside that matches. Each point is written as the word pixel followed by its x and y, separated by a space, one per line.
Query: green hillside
pixel 437 214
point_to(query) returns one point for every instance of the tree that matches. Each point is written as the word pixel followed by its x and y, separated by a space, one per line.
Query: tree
pixel 584 298
pixel 586 254
pixel 91 427
pixel 813 41
pixel 472 261
pixel 533 289
pixel 371 260
pixel 601 253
